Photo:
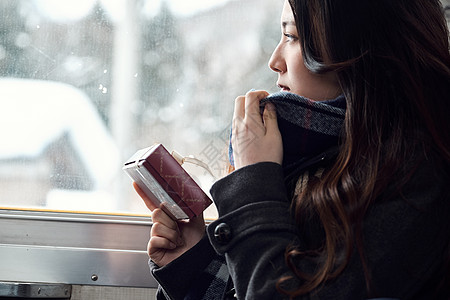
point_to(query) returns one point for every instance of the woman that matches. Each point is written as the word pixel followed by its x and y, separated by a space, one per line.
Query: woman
pixel 308 214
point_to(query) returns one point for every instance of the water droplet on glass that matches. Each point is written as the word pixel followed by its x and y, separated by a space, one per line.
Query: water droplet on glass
pixel 102 88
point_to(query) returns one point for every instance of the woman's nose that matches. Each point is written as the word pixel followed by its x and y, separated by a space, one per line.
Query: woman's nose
pixel 276 62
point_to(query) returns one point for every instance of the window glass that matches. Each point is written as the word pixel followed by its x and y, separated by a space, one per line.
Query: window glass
pixel 86 83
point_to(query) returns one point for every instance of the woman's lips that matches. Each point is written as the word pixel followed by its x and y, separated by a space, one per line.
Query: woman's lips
pixel 284 88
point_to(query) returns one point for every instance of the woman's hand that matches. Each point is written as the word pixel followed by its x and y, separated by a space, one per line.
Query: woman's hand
pixel 255 138
pixel 169 239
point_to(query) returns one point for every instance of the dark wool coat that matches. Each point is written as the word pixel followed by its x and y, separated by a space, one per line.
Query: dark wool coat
pixel 406 240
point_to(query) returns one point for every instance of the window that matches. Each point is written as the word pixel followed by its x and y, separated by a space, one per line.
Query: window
pixel 85 85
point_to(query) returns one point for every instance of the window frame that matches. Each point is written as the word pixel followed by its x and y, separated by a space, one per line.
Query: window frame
pixel 75 248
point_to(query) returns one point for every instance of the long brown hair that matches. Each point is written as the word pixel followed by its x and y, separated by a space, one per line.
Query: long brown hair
pixel 393 65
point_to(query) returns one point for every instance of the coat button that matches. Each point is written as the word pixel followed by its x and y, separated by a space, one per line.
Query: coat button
pixel 222 233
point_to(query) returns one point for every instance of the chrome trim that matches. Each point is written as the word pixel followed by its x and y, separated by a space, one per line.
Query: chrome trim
pixel 74 248
pixel 66 216
pixel 35 290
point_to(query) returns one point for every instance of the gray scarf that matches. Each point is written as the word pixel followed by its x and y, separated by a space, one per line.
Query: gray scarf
pixel 307 127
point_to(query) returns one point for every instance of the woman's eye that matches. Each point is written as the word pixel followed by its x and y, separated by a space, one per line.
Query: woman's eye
pixel 290 37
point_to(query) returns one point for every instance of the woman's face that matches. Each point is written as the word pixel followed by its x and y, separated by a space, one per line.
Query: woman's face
pixel 287 61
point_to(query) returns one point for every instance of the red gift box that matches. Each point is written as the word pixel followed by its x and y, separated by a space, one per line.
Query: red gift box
pixel 163 180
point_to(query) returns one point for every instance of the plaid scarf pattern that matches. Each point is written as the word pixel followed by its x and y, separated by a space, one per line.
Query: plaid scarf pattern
pixel 307 127
pixel 212 281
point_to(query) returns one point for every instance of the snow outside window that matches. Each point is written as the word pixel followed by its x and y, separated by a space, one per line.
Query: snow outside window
pixel 85 84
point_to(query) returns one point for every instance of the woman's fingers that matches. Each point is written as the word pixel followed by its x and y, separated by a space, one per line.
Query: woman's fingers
pixel 170 239
pixel 160 216
pixel 239 108
pixel 255 138
pixel 247 107
pixel 164 226
pixel 247 120
pixel 162 231
pixel 157 243
pixel 252 100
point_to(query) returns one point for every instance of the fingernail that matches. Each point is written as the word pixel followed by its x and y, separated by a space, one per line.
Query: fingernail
pixel 172 245
pixel 251 90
